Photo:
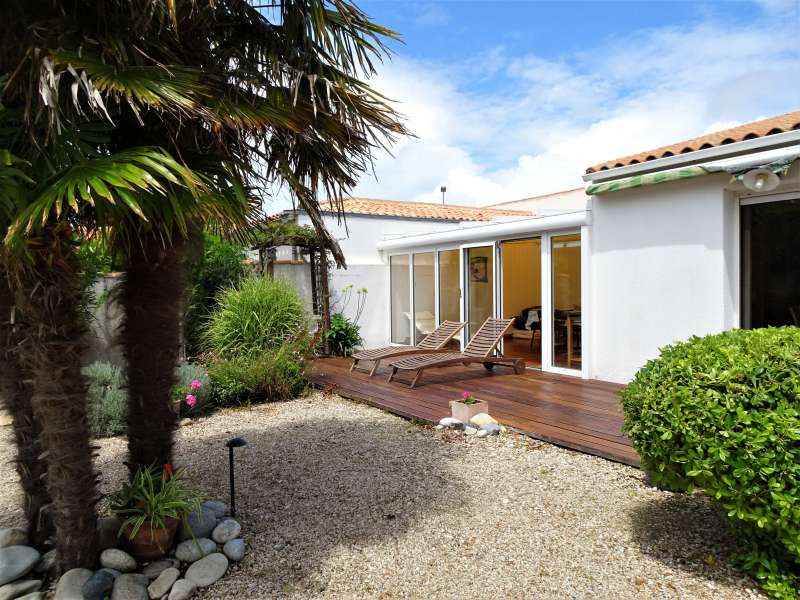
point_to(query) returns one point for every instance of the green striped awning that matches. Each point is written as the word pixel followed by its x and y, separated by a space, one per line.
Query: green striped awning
pixel 737 170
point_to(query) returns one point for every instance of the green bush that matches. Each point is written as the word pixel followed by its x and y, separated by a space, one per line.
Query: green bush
pixel 343 335
pixel 259 315
pixel 221 265
pixel 722 413
pixel 279 374
pixel 107 399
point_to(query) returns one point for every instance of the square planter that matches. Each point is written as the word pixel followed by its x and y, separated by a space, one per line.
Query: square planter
pixel 464 412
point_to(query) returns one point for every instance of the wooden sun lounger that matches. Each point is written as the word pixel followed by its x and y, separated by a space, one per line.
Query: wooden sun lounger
pixel 479 350
pixel 433 342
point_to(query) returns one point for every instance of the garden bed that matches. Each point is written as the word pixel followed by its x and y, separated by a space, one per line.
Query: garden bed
pixel 339 499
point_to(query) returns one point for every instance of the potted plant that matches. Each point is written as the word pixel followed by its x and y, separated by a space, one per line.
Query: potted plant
pixel 186 395
pixel 467 407
pixel 150 506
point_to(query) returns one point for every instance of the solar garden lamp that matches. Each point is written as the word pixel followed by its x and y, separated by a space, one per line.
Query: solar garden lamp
pixel 231 444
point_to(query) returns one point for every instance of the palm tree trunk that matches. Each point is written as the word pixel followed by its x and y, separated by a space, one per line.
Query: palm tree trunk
pixel 16 392
pixel 152 296
pixel 53 355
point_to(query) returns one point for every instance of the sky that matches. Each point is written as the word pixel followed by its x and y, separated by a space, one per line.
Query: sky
pixel 512 99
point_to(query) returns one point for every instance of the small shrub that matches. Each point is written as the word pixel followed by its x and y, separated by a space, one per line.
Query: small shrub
pixel 259 315
pixel 344 335
pixel 107 399
pixel 722 413
pixel 267 377
pixel 193 389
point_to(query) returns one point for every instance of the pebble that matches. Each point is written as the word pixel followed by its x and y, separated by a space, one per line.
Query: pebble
pixel 130 586
pixel 182 590
pixel 207 570
pixel 226 531
pixel 482 433
pixel 154 569
pixel 19 588
pixel 491 428
pixel 482 419
pixel 220 509
pixel 13 536
pixel 99 585
pixel 470 430
pixel 119 560
pixel 192 550
pixel 47 562
pixel 198 524
pixel 163 583
pixel 451 423
pixel 70 585
pixel 32 596
pixel 235 549
pixel 16 561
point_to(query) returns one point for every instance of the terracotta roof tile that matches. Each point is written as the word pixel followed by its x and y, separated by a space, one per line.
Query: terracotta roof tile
pixel 788 122
pixel 426 210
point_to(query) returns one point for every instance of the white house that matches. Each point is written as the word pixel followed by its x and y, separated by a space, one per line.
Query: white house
pixel 693 238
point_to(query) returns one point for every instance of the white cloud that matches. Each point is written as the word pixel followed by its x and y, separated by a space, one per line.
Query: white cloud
pixel 544 121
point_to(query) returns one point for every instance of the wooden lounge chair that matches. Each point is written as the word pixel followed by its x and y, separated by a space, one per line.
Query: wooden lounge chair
pixel 479 350
pixel 435 341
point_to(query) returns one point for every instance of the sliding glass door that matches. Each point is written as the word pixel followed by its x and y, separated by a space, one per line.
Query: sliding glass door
pixel 400 298
pixel 565 315
pixel 521 298
pixel 450 288
pixel 424 295
pixel 479 286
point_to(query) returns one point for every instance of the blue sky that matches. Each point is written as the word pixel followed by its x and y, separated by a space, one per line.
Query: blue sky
pixel 513 99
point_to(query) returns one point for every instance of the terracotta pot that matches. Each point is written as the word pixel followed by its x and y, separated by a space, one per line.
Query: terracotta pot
pixel 464 412
pixel 151 543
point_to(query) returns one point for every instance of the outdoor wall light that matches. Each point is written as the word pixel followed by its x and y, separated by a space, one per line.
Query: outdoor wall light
pixel 231 444
pixel 760 180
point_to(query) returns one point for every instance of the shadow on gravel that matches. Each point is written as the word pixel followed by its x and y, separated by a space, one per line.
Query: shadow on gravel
pixel 685 531
pixel 306 487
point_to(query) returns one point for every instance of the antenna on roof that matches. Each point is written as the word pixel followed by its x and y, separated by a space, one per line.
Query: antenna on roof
pixel 443 189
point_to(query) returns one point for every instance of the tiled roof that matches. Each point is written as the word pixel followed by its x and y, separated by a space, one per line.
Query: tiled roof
pixel 425 210
pixel 756 129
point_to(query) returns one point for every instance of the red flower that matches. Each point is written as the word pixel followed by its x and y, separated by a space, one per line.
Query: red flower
pixel 167 471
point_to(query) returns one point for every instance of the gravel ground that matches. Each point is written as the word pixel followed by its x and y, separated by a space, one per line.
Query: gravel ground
pixel 341 500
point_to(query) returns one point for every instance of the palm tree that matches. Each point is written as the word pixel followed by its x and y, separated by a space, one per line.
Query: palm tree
pixel 205 102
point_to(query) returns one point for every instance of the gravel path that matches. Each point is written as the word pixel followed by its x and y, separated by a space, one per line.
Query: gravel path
pixel 341 500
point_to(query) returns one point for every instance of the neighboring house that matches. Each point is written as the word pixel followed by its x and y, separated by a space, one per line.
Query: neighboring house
pixel 689 239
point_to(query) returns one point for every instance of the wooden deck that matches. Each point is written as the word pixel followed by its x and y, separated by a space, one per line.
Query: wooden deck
pixel 575 413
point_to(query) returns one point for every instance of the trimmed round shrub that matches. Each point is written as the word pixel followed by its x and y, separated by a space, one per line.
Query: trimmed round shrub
pixel 722 413
pixel 258 315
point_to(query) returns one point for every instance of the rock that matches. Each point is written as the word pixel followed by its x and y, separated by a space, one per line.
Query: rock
pixel 226 531
pixel 481 419
pixel 470 430
pixel 119 560
pixel 13 536
pixel 130 586
pixel 70 585
pixel 199 524
pixel 491 428
pixel 108 533
pixel 32 596
pixel 192 550
pixel 163 583
pixel 440 427
pixel 113 572
pixel 235 549
pixel 16 561
pixel 451 423
pixel 482 433
pixel 154 569
pixel 182 590
pixel 99 585
pixel 16 589
pixel 207 570
pixel 46 563
pixel 220 509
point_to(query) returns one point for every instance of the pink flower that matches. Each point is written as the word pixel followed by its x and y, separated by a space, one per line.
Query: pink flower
pixel 196 384
pixel 466 395
pixel 190 400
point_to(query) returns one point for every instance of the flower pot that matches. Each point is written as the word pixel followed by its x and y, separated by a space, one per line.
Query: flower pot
pixel 151 543
pixel 464 412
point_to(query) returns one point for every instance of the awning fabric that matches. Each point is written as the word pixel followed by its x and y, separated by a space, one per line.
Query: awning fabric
pixel 736 169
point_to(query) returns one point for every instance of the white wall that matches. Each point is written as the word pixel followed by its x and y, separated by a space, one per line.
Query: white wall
pixel 366 267
pixel 660 270
pixel 568 200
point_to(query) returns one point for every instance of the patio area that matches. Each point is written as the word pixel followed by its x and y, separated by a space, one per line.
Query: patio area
pixel 575 413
